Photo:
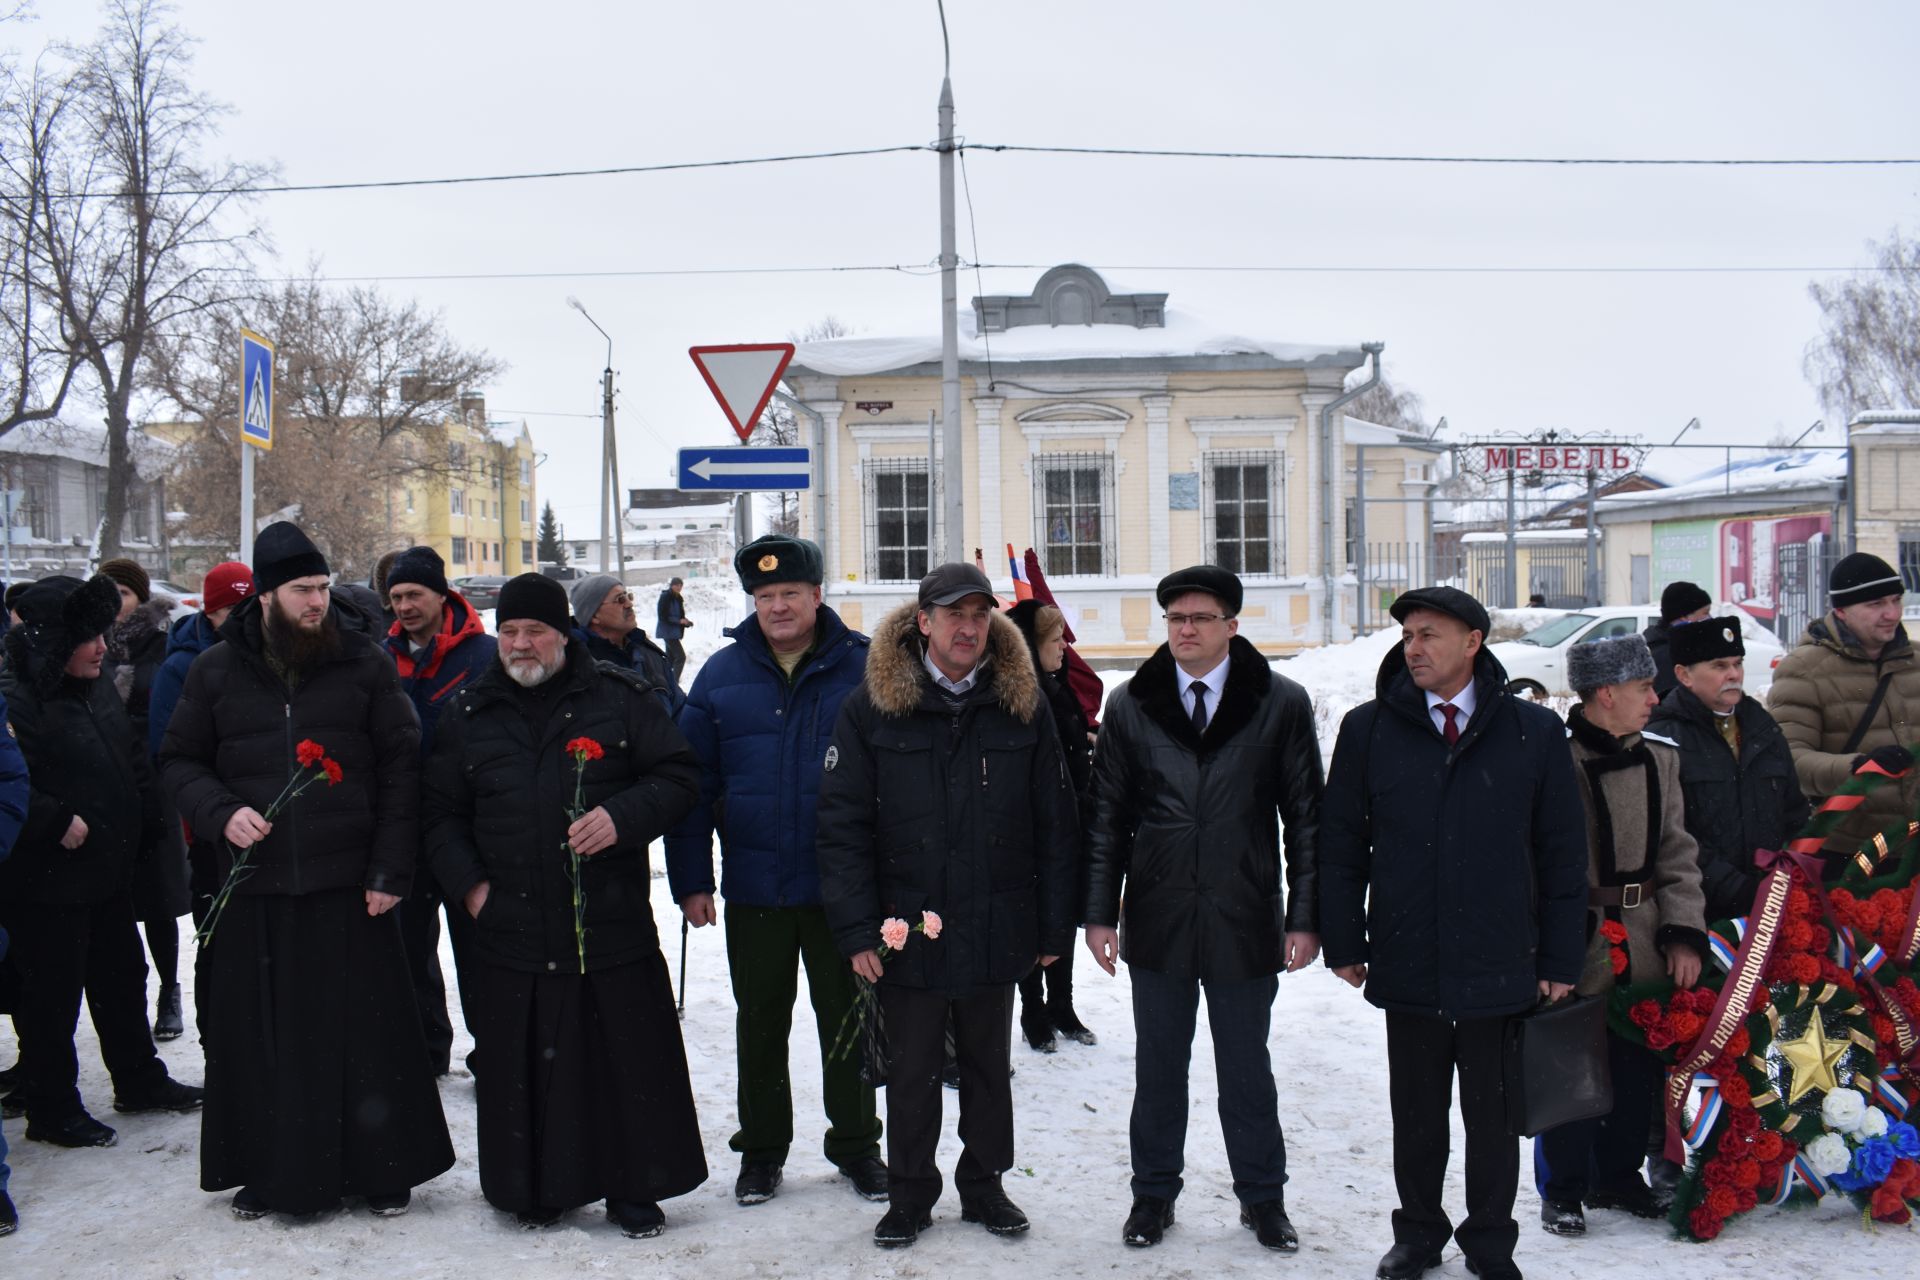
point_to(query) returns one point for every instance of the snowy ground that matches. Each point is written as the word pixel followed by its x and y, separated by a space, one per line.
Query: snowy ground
pixel 135 1210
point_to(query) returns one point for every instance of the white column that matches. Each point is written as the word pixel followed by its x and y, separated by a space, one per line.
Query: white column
pixel 986 429
pixel 1159 516
pixel 1309 565
pixel 830 411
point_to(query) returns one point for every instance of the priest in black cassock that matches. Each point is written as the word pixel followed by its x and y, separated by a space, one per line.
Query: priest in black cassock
pixel 579 1070
pixel 318 1085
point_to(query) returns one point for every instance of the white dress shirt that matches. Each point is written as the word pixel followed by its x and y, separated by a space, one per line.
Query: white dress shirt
pixel 955 687
pixel 1216 682
pixel 1463 703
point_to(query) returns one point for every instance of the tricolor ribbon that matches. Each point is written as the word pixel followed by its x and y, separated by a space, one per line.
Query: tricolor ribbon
pixel 1708 1113
pixel 1887 1092
pixel 1798 1172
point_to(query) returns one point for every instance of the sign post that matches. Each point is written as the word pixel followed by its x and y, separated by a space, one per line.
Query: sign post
pixel 256 423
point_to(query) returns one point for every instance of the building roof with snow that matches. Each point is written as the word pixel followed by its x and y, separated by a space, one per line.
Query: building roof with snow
pixel 1793 478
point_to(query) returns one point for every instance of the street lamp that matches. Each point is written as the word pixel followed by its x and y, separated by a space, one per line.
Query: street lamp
pixel 609 460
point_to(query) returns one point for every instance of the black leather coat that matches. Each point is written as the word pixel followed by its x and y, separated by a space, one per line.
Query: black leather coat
pixel 1188 828
pixel 1733 806
pixel 1457 874
pixel 496 810
pixel 231 743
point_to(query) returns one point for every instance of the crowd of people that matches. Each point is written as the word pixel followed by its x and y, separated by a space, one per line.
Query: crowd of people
pixel 922 818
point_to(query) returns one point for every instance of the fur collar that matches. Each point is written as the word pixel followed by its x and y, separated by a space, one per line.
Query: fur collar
pixel 1156 686
pixel 896 679
pixel 135 631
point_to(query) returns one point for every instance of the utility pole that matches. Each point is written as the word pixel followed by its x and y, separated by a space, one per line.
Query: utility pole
pixel 614 536
pixel 951 508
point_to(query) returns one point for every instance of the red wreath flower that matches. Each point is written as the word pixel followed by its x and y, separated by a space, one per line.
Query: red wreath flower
pixel 1613 931
pixel 1717 1174
pixel 1645 1014
pixel 309 753
pixel 1737 1047
pixel 1723 1202
pixel 1704 1224
pixel 1767 1146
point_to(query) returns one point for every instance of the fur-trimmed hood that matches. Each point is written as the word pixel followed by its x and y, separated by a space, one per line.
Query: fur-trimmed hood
pixel 896 678
pixel 133 632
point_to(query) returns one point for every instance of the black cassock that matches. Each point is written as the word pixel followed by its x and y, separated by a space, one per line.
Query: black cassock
pixel 318 1084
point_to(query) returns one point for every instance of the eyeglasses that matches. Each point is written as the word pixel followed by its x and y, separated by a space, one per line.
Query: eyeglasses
pixel 623 599
pixel 1180 620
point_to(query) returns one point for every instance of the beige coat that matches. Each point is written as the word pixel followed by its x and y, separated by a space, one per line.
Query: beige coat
pixel 1636 834
pixel 1820 691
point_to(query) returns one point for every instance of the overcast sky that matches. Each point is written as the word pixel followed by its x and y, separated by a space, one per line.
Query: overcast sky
pixel 352 90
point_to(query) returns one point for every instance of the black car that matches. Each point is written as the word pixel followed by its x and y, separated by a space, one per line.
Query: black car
pixel 483 591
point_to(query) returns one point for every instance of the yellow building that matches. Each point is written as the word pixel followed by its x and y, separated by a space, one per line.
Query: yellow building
pixel 476 506
pixel 1121 441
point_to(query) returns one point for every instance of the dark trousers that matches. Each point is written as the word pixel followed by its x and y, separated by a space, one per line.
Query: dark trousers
pixel 765 948
pixel 1239 1013
pixel 1605 1153
pixel 916 1023
pixel 1056 980
pixel 1422 1055
pixel 419 915
pixel 62 952
pixel 676 657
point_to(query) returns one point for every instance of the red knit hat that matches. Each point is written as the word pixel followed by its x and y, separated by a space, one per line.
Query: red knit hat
pixel 226 584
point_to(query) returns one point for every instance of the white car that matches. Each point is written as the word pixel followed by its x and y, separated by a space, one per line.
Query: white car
pixel 1536 663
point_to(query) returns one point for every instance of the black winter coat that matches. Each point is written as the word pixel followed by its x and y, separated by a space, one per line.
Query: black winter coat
pixel 1733 806
pixel 496 810
pixel 965 813
pixel 231 740
pixel 1659 638
pixel 78 745
pixel 1457 875
pixel 1188 827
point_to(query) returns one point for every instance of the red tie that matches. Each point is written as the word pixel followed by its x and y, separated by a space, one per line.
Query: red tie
pixel 1452 730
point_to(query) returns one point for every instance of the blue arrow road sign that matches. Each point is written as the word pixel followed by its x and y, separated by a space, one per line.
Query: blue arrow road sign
pixel 749 468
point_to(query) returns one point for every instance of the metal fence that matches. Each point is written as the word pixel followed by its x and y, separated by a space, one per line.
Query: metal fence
pixel 1800 584
pixel 1390 568
pixel 1557 572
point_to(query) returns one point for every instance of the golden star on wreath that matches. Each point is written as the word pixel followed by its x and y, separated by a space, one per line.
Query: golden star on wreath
pixel 769 563
pixel 1813 1058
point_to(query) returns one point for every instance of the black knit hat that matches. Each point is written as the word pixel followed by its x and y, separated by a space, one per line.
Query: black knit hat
pixel 282 553
pixel 778 558
pixel 1451 601
pixel 537 597
pixel 1681 599
pixel 420 565
pixel 1862 577
pixel 1706 640
pixel 1222 584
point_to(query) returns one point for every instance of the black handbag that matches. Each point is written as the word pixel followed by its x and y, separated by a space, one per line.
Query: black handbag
pixel 1555 1064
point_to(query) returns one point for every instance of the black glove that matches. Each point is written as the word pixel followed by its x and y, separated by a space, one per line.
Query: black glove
pixel 1890 757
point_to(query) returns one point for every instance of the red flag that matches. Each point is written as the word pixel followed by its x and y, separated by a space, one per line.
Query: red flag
pixel 1081 678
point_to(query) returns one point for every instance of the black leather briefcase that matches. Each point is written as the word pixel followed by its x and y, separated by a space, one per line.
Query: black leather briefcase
pixel 1555 1061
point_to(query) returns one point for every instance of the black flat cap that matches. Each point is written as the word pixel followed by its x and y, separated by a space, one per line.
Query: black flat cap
pixel 1451 601
pixel 1222 584
pixel 950 583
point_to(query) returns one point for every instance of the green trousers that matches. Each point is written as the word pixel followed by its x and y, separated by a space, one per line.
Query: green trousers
pixel 765 947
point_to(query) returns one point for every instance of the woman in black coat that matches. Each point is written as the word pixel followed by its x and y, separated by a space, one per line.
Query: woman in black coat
pixel 1044 626
pixel 136 647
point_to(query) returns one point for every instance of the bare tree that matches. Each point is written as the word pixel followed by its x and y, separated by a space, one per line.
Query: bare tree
pixel 134 228
pixel 366 389
pixel 1868 353
pixel 1389 406
pixel 779 426
pixel 40 363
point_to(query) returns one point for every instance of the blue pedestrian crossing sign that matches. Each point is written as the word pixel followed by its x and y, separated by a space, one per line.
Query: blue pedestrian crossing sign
pixel 256 390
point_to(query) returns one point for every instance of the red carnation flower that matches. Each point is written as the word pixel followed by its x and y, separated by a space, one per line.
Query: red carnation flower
pixel 1685 1026
pixel 1644 1014
pixel 585 749
pixel 1619 958
pixel 1766 1147
pixel 1723 1202
pixel 1746 1174
pixel 1613 931
pixel 1736 1090
pixel 1703 1224
pixel 1740 1043
pixel 1718 1173
pixel 334 772
pixel 1745 1201
pixel 1659 1038
pixel 309 753
pixel 1797 935
pixel 1745 1122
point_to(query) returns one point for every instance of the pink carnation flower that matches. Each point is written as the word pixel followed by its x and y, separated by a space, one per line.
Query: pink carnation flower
pixel 893 933
pixel 930 924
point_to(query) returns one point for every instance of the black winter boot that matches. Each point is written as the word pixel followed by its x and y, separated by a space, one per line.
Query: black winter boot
pixel 167 1024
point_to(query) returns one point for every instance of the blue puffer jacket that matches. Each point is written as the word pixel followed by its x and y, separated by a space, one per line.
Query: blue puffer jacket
pixel 190 637
pixel 760 746
pixel 13 798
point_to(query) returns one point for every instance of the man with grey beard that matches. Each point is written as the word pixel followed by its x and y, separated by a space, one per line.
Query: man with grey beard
pixel 318 1086
pixel 550 775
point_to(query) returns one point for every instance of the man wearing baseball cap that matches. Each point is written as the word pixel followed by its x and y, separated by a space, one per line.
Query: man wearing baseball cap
pixel 759 717
pixel 1453 889
pixel 1849 694
pixel 944 805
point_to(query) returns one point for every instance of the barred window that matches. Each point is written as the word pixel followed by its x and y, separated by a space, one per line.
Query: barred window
pixel 1073 511
pixel 457 501
pixel 1244 511
pixel 526 552
pixel 1909 551
pixel 901 499
pixel 459 555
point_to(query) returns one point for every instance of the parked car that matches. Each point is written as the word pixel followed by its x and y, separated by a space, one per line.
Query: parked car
pixel 482 590
pixel 1536 663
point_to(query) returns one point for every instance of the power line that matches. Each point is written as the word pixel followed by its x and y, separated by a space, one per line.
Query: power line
pixel 919 269
pixel 1383 158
